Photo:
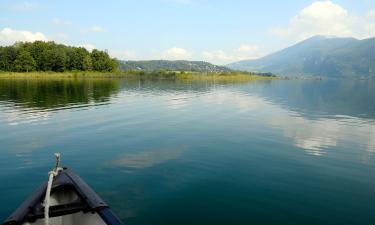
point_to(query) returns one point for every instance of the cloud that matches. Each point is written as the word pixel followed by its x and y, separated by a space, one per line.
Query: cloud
pixel 24 6
pixel 371 14
pixel 60 37
pixel 216 55
pixel 96 29
pixel 58 21
pixel 176 53
pixel 9 36
pixel 240 53
pixel 87 46
pixel 123 54
pixel 325 18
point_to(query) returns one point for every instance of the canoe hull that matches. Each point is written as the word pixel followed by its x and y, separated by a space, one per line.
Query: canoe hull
pixel 72 202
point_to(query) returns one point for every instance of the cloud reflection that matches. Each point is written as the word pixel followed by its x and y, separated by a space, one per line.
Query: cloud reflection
pixel 15 116
pixel 148 158
pixel 314 135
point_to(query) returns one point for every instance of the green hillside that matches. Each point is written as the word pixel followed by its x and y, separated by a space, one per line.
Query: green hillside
pixel 178 65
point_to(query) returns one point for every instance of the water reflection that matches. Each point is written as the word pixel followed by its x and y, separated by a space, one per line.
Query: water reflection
pixel 55 93
pixel 309 113
pixel 32 100
pixel 148 158
pixel 317 136
pixel 318 115
pixel 313 134
pixel 154 149
pixel 320 98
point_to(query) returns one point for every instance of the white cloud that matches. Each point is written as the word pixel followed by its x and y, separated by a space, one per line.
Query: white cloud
pixel 9 36
pixel 371 14
pixel 325 18
pixel 176 54
pixel 87 46
pixel 96 29
pixel 241 53
pixel 24 6
pixel 217 56
pixel 248 48
pixel 123 54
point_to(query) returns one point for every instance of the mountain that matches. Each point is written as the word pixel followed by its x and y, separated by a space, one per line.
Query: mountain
pixel 178 65
pixel 318 56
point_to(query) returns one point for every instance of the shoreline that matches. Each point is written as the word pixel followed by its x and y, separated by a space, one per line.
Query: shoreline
pixel 196 76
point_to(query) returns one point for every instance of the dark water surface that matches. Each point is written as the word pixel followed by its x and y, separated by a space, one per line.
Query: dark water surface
pixel 168 152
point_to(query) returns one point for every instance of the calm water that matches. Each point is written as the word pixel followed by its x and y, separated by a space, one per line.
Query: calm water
pixel 167 152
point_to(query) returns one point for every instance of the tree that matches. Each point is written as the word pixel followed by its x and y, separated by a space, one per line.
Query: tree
pixel 87 64
pixel 7 57
pixel 54 60
pixel 37 50
pixel 49 56
pixel 2 59
pixel 24 62
pixel 58 60
pixel 102 62
pixel 76 58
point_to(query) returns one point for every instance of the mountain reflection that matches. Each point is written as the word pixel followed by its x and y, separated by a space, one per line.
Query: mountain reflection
pixel 326 97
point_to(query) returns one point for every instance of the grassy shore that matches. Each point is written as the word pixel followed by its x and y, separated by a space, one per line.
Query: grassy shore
pixel 70 74
pixel 224 77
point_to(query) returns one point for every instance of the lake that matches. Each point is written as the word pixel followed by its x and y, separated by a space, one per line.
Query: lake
pixel 180 152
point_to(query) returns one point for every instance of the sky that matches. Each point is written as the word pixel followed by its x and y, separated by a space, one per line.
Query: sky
pixel 216 31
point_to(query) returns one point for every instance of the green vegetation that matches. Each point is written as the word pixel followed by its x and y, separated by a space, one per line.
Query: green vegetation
pixel 157 75
pixel 230 77
pixel 223 76
pixel 178 65
pixel 49 56
pixel 44 59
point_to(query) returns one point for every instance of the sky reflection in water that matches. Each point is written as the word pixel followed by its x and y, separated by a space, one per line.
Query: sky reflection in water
pixel 161 151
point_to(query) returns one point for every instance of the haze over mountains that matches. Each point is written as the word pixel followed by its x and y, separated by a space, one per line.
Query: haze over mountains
pixel 318 56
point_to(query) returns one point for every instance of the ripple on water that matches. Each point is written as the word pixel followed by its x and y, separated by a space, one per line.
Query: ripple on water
pixel 257 151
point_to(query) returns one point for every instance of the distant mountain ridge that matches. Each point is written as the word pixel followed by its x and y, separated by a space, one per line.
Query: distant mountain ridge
pixel 177 65
pixel 318 56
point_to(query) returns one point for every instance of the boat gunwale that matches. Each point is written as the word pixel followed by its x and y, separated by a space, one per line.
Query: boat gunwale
pixel 31 210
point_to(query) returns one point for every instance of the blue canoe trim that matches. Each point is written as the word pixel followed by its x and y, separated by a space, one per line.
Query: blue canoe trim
pixel 108 217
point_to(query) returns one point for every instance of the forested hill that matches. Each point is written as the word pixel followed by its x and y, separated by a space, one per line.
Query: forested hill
pixel 319 55
pixel 178 65
pixel 49 56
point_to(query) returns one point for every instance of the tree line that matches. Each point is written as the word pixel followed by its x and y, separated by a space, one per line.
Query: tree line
pixel 49 56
